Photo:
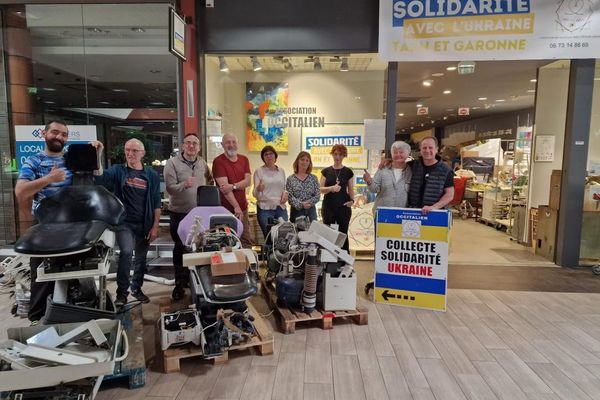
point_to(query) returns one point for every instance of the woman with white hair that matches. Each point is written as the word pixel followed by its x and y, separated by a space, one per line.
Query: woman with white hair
pixel 391 183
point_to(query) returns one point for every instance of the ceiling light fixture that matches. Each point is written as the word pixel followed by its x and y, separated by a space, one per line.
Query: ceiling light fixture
pixel 344 65
pixel 427 82
pixel 401 115
pixel 531 91
pixel 500 101
pixel 419 105
pixel 451 68
pixel 447 91
pixel 318 66
pixel 223 67
pixel 533 80
pixel 255 64
pixel 482 98
pixel 438 74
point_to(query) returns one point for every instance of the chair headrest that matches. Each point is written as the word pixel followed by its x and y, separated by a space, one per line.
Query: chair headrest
pixel 208 196
pixel 81 158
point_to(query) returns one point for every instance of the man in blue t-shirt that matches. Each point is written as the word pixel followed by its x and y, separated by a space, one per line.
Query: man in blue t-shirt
pixel 41 176
pixel 138 187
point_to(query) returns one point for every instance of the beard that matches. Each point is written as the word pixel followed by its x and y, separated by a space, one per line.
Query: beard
pixel 55 145
pixel 231 153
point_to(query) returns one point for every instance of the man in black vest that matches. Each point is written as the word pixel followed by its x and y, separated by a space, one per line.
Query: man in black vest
pixel 432 183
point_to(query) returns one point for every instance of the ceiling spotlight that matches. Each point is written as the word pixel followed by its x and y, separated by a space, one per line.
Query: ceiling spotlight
pixel 401 115
pixel 419 105
pixel 223 67
pixel 317 63
pixel 438 74
pixel 531 91
pixel 500 101
pixel 427 82
pixel 533 80
pixel 447 91
pixel 451 68
pixel 482 98
pixel 344 65
pixel 255 64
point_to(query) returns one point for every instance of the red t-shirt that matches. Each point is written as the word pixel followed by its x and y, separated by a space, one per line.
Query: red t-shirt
pixel 234 172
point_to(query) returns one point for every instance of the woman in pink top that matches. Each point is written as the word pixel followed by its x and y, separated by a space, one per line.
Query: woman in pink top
pixel 269 189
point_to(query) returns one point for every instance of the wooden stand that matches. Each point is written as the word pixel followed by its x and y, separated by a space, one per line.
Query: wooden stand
pixel 262 342
pixel 288 317
pixel 365 255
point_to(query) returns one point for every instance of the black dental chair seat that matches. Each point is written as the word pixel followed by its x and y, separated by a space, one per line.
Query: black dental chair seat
pixel 63 238
pixel 227 288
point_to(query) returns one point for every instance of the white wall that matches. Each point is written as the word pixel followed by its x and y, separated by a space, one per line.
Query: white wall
pixel 338 96
pixel 550 117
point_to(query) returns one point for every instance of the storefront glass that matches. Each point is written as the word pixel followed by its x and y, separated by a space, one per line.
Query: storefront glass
pixel 293 105
pixel 590 240
pixel 104 66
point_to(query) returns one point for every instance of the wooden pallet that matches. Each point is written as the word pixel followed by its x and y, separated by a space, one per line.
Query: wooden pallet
pixel 288 317
pixel 368 255
pixel 262 343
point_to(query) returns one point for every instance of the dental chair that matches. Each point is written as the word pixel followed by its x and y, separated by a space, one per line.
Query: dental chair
pixel 75 238
pixel 212 228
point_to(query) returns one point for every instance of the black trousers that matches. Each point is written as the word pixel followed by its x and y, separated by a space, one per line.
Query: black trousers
pixel 39 292
pixel 340 216
pixel 182 275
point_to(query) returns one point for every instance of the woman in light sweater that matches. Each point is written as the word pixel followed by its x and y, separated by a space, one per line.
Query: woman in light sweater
pixel 269 189
pixel 391 183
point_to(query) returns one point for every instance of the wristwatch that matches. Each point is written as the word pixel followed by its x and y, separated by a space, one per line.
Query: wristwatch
pixel 234 187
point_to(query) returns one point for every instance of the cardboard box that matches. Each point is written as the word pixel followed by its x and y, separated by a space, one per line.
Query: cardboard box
pixel 554 199
pixel 546 232
pixel 228 263
pixel 339 293
pixel 591 199
pixel 469 153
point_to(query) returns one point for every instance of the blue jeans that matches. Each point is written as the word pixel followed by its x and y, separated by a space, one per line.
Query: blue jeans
pixel 311 213
pixel 263 217
pixel 130 237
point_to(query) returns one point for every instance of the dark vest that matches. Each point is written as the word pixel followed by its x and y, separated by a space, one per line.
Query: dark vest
pixel 434 189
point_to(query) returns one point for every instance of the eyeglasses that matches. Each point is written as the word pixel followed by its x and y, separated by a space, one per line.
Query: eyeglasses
pixel 191 144
pixel 134 151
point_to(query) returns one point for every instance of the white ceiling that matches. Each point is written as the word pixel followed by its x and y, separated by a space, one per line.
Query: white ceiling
pixel 497 80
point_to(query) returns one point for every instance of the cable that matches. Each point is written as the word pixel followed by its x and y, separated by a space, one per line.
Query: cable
pixel 266 315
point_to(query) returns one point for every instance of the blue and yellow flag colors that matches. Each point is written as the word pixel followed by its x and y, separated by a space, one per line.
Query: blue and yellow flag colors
pixel 411 257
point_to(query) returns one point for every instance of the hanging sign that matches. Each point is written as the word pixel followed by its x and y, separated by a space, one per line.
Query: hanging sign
pixel 463 110
pixel 411 257
pixel 453 30
pixel 422 110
